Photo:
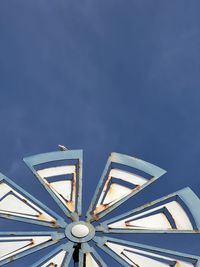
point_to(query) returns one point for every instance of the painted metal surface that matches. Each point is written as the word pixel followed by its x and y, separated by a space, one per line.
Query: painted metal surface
pixel 80 230
pixel 61 174
pixel 61 256
pixel 17 204
pixel 110 194
pixel 66 192
pixel 69 232
pixel 175 213
pixel 138 255
pixel 14 245
pixel 89 257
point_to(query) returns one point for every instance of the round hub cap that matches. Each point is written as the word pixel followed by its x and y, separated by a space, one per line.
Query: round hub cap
pixel 80 230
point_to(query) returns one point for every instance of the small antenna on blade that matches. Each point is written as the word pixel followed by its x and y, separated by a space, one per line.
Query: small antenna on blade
pixel 62 148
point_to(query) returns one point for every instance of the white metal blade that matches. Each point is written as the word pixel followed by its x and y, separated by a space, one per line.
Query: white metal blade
pixel 65 190
pixel 61 175
pixel 16 245
pixel 17 204
pixel 137 255
pixel 12 203
pixel 88 257
pixel 59 257
pixel 157 221
pixel 175 212
pixel 57 260
pixel 90 261
pixel 118 185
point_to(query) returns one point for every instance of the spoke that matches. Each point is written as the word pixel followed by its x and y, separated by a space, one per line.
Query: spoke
pixel 61 256
pixel 14 245
pixel 120 181
pixel 175 213
pixel 137 255
pixel 17 204
pixel 61 174
pixel 88 257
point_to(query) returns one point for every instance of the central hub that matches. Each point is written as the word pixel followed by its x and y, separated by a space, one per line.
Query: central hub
pixel 80 231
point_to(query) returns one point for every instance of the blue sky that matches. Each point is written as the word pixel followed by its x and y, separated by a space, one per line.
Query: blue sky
pixel 103 76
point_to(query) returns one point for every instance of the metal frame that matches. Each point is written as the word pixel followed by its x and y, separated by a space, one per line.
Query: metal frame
pixel 68 248
pixel 186 195
pixel 56 156
pixel 85 248
pixel 129 161
pixel 55 237
pixel 101 243
pixel 78 248
pixel 59 222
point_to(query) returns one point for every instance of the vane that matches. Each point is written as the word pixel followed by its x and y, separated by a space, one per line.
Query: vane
pixel 82 241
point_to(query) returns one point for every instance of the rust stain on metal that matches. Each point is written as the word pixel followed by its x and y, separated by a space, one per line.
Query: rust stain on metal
pixel 41 217
pixel 128 224
pixel 136 188
pixel 74 186
pixel 32 243
pixel 25 200
pixel 100 208
pixel 95 216
pixel 107 183
pixel 55 225
pixel 70 205
pixel 178 264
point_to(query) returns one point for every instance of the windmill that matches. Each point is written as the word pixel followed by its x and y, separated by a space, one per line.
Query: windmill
pixel 124 176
